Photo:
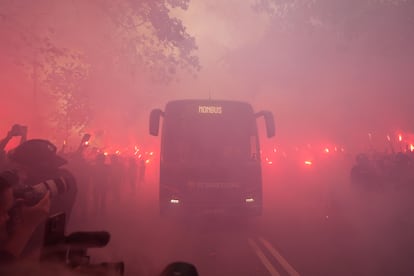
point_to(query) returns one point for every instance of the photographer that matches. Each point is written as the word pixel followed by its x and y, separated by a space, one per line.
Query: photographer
pixel 14 240
pixel 39 170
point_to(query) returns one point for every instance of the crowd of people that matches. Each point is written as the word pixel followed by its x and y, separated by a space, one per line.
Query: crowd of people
pixel 37 184
pixel 376 171
pixel 106 180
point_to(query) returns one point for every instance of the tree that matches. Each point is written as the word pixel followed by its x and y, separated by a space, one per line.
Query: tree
pixel 65 45
pixel 346 20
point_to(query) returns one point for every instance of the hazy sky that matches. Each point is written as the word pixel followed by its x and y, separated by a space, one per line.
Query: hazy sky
pixel 315 85
pixel 320 84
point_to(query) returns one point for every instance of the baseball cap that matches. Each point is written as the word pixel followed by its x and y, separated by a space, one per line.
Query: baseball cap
pixel 36 153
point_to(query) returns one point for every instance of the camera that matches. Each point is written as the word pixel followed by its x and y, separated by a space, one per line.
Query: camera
pixel 32 194
pixel 9 177
pixel 71 250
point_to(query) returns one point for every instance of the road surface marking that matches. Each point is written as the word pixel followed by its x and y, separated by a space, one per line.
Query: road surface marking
pixel 266 262
pixel 289 269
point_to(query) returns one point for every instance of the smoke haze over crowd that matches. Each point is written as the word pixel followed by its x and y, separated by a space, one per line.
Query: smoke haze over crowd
pixel 329 71
pixel 336 74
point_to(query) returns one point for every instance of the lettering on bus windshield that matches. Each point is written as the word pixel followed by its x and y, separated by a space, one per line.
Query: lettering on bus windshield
pixel 210 109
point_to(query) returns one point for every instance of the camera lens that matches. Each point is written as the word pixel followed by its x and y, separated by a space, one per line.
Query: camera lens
pixel 9 177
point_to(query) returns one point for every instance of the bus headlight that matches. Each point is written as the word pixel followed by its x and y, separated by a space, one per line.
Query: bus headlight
pixel 175 201
pixel 249 200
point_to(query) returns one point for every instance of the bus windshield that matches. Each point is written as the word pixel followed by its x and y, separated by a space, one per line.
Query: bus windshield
pixel 210 138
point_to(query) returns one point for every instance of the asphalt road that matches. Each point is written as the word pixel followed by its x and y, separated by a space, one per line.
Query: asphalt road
pixel 313 224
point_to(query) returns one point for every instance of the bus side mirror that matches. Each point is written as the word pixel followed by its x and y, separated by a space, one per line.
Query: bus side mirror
pixel 269 122
pixel 155 121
